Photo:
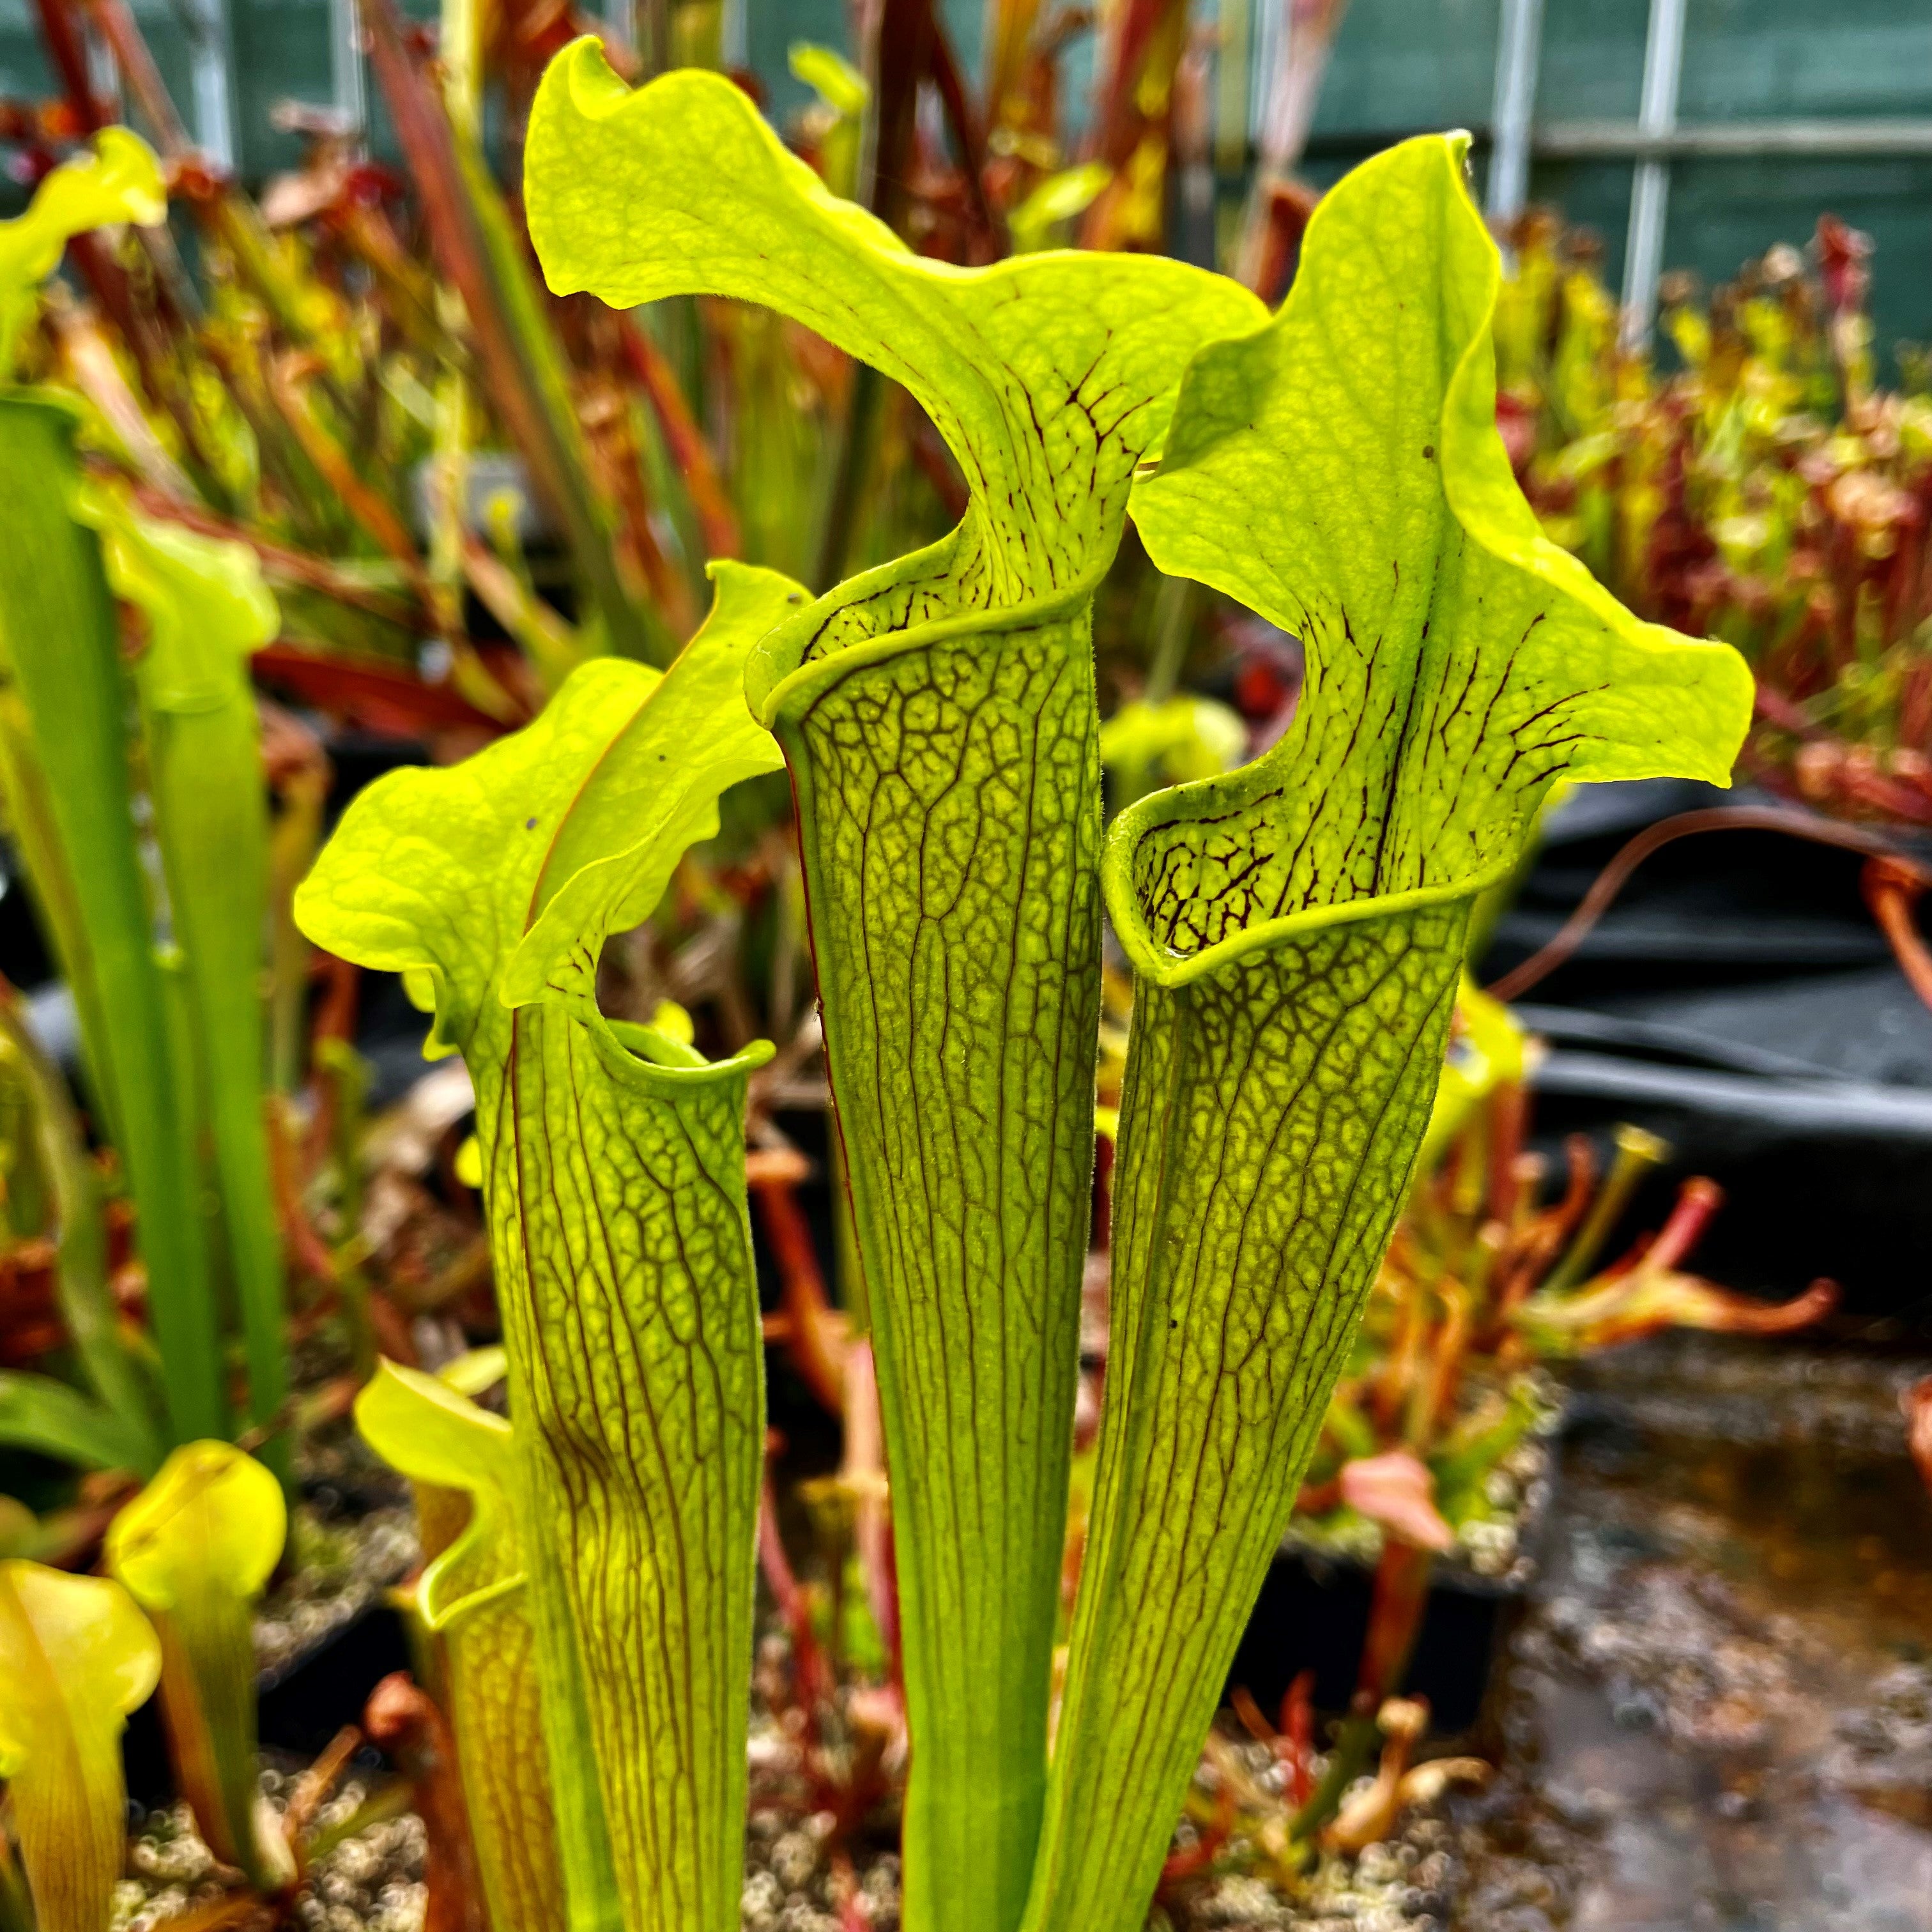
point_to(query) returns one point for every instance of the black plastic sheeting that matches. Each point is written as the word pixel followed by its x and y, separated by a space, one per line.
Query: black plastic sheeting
pixel 1738 1000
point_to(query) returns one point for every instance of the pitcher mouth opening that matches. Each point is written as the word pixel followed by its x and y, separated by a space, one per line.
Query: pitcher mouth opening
pixel 781 679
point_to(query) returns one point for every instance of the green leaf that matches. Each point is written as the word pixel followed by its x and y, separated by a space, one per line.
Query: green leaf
pixel 467 880
pixel 1490 1049
pixel 120 180
pixel 476 1369
pixel 614 856
pixel 1181 738
pixel 194 1549
pixel 472 1594
pixel 1059 198
pixel 613 1180
pixel 420 1426
pixel 1296 930
pixel 212 1522
pixel 938 717
pixel 826 71
pixel 846 92
pixel 206 604
pixel 48 1417
pixel 1049 378
pixel 207 609
pixel 63 742
pixel 126 1434
pixel 76 1656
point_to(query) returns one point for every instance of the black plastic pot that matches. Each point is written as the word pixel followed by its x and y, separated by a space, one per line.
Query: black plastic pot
pixel 1313 1614
pixel 1738 1000
pixel 303 1705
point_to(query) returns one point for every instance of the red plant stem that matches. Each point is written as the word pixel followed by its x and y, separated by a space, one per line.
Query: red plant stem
pixel 1447 1351
pixel 811 1674
pixel 407 1723
pixel 551 447
pixel 1297 1724
pixel 1697 1201
pixel 289 566
pixel 143 79
pixel 334 1019
pixel 372 691
pixel 1916 1402
pixel 649 366
pixel 1400 1596
pixel 307 1249
pixel 1547 1234
pixel 1284 220
pixel 901 59
pixel 1742 1316
pixel 69 58
pixel 812 1330
pixel 313 1787
pixel 1892 888
pixel 1509 1120
pixel 1208 1841
pixel 1612 880
pixel 969 134
pixel 1135 27
pixel 864 1467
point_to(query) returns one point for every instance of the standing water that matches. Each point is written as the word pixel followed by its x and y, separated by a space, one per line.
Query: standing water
pixel 1716 1712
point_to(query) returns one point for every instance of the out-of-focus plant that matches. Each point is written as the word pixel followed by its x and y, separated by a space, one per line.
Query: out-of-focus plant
pixel 76 1657
pixel 194 1549
pixel 472 1597
pixel 938 717
pixel 613 1177
pixel 175 1035
pixel 1146 743
pixel 1296 930
pixel 1768 492
pixel 837 130
pixel 206 608
pixel 120 180
pixel 70 791
pixel 110 1420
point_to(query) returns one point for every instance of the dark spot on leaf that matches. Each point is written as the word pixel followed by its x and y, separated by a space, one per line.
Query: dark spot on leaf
pixel 795 597
pixel 529 825
pixel 1429 452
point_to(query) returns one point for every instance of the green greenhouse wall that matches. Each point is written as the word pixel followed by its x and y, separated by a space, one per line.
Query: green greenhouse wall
pixel 1398 65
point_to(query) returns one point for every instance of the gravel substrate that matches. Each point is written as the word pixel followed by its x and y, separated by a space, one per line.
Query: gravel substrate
pixel 343 1562
pixel 370 1883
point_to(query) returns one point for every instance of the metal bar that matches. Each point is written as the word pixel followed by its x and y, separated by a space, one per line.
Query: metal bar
pixel 1519 49
pixel 1650 187
pixel 621 17
pixel 348 84
pixel 1582 140
pixel 1624 140
pixel 1234 119
pixel 211 77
